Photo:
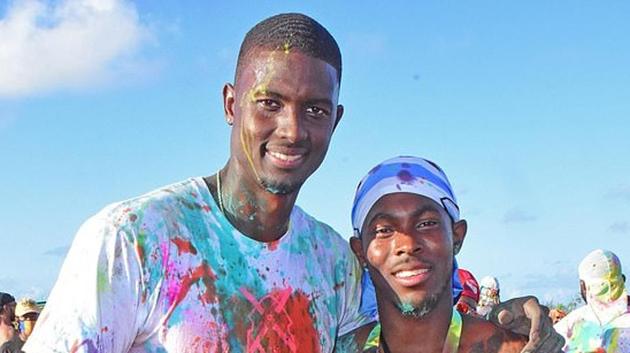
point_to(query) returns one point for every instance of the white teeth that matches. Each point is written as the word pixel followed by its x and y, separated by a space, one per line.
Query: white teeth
pixel 285 157
pixel 405 274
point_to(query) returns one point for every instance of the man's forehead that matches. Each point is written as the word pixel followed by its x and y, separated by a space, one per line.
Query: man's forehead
pixel 264 62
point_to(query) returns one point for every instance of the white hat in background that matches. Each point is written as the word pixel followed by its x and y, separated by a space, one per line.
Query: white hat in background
pixel 601 272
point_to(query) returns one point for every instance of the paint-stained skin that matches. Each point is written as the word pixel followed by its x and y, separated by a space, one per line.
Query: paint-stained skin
pixel 185 280
pixel 490 345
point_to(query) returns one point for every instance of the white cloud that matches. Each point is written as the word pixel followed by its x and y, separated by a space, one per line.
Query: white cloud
pixel 66 44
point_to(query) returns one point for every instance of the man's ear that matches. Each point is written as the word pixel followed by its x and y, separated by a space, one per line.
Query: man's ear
pixel 357 249
pixel 339 115
pixel 459 233
pixel 228 103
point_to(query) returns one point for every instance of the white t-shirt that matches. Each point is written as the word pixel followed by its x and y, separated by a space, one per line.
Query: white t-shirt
pixel 584 331
pixel 166 272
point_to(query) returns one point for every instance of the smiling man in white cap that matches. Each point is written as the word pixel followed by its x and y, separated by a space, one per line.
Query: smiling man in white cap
pixel 603 324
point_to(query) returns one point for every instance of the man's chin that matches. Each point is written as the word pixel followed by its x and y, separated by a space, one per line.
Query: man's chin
pixel 280 188
pixel 420 309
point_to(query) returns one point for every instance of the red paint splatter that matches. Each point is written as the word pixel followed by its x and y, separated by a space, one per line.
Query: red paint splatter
pixel 273 245
pixel 281 322
pixel 339 285
pixel 184 246
pixel 104 329
pixel 202 272
pixel 133 217
pixel 206 208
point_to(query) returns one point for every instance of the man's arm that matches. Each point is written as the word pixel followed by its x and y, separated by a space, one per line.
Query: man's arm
pixel 93 303
pixel 527 317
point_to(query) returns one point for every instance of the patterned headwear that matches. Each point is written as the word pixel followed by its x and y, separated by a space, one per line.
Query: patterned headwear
pixel 601 272
pixel 403 174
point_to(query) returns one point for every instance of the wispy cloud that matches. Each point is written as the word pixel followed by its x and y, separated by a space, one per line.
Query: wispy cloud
pixel 620 227
pixel 621 192
pixel 59 251
pixel 67 44
pixel 516 215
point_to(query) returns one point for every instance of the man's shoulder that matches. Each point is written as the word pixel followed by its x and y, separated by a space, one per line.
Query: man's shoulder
pixel 163 200
pixel 479 335
pixel 152 212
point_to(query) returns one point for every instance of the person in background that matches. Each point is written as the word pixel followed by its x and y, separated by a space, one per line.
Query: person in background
pixel 26 314
pixel 9 339
pixel 488 295
pixel 467 303
pixel 556 315
pixel 603 324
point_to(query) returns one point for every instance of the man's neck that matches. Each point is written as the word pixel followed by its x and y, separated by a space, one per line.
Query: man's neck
pixel 254 211
pixel 406 334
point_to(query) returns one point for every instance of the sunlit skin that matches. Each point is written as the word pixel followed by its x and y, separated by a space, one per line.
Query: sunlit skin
pixel 283 110
pixel 408 242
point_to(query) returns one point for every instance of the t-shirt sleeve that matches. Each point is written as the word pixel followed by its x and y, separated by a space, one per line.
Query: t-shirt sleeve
pixel 353 317
pixel 94 305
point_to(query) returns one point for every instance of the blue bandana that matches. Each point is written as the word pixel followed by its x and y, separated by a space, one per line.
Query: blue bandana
pixel 403 174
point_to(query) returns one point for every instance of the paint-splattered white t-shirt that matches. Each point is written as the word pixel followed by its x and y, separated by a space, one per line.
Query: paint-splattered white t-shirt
pixel 585 333
pixel 166 272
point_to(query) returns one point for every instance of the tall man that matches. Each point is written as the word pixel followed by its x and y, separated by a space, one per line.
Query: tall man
pixel 227 262
pixel 407 232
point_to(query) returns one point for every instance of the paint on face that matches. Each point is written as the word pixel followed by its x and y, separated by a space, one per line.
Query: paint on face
pixel 407 241
pixel 285 115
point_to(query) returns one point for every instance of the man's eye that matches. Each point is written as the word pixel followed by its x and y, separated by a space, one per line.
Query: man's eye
pixel 317 112
pixel 427 224
pixel 383 231
pixel 269 104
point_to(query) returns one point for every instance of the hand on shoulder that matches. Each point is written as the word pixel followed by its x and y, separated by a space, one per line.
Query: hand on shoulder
pixel 482 336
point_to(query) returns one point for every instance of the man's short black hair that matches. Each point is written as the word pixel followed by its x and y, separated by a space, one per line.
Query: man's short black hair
pixel 291 31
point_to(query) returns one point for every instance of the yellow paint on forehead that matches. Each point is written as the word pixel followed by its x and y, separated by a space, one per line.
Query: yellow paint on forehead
pixel 263 74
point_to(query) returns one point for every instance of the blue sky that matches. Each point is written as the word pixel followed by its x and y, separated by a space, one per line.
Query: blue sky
pixel 525 105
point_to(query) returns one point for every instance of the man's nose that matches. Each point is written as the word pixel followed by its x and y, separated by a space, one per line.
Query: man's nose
pixel 407 244
pixel 291 124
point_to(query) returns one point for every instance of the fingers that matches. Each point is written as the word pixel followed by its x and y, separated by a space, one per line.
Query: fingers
pixel 542 336
pixel 551 344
